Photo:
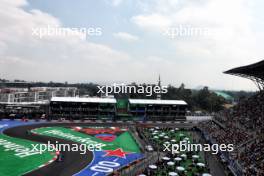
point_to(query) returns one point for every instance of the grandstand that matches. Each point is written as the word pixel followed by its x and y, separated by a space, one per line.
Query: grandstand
pixel 158 109
pixel 108 108
pixel 242 126
pixel 250 112
pixel 90 108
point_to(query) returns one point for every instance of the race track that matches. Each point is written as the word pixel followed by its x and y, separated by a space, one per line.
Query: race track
pixel 72 162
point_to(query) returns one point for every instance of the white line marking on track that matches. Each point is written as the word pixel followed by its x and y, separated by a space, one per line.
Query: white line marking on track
pixel 95 173
pixel 116 159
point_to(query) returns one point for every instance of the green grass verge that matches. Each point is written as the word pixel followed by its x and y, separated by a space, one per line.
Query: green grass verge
pixel 12 160
pixel 124 141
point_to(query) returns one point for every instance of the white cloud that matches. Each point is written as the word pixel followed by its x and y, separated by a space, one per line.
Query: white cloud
pixel 232 42
pixel 115 2
pixel 25 56
pixel 152 21
pixel 126 36
pixel 57 58
pixel 194 61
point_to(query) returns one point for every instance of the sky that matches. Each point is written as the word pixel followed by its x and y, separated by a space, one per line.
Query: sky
pixel 185 41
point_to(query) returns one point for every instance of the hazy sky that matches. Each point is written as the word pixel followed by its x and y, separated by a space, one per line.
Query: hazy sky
pixel 134 45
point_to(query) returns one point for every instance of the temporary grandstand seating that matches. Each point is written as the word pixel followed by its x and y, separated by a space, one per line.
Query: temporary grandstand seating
pixel 90 108
pixel 109 108
pixel 162 110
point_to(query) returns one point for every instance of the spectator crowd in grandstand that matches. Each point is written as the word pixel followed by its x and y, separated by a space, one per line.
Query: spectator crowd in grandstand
pixel 242 126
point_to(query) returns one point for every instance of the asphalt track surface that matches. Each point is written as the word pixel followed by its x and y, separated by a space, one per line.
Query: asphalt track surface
pixel 73 162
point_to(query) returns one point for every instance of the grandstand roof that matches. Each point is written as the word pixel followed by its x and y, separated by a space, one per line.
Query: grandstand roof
pixel 84 100
pixel 255 72
pixel 224 95
pixel 26 103
pixel 159 102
